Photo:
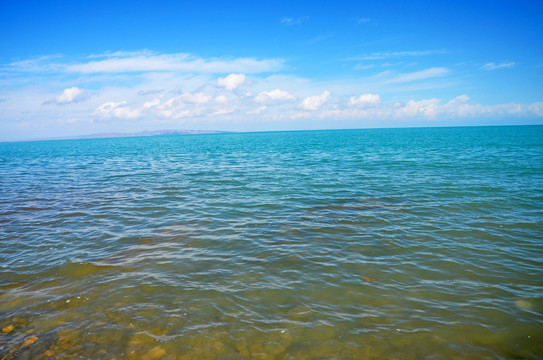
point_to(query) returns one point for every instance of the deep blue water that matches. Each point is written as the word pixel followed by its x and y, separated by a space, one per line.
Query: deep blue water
pixel 348 244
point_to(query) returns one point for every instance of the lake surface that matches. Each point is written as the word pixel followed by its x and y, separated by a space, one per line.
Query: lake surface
pixel 352 244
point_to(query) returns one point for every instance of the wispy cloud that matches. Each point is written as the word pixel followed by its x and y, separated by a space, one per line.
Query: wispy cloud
pixel 150 92
pixel 362 20
pixel 493 66
pixel 175 62
pixel 257 111
pixel 418 75
pixel 289 21
pixel 145 61
pixel 43 63
pixel 364 66
pixel 397 54
pixel 321 37
pixel 274 95
pixel 120 53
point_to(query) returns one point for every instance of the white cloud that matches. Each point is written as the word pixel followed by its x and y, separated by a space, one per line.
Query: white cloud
pixel 119 110
pixel 288 21
pixel 428 108
pixel 418 75
pixel 43 63
pixel 72 95
pixel 150 104
pixel 257 111
pixel 147 62
pixel 222 112
pixel 232 81
pixel 494 66
pixel 365 100
pixel 315 102
pixel 113 54
pixel 396 54
pixel 221 99
pixel 364 66
pixel 536 108
pixel 186 105
pixel 198 98
pixel 179 114
pixel 237 101
pixel 184 99
pixel 459 100
pixel 321 37
pixel 362 20
pixel 274 95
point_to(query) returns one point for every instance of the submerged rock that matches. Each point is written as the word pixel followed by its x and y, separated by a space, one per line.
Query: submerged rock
pixel 49 353
pixel 31 340
pixel 65 337
pixel 8 329
pixel 155 353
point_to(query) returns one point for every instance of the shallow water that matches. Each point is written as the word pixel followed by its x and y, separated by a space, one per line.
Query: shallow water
pixel 358 244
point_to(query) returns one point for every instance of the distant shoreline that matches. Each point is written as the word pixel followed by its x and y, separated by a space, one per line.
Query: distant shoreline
pixel 202 132
pixel 135 134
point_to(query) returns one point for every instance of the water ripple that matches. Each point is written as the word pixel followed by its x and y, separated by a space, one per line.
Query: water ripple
pixel 412 244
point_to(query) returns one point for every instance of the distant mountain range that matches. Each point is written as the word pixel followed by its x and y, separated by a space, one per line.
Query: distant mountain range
pixel 141 133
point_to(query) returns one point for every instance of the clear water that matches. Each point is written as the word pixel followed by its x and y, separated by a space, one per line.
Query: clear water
pixel 358 244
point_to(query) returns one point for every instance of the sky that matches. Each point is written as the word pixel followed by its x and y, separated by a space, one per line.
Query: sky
pixel 70 68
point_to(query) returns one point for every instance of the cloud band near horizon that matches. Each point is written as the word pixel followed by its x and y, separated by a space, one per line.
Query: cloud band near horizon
pixel 149 90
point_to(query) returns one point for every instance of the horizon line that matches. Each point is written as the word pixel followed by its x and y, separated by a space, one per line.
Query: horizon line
pixel 181 132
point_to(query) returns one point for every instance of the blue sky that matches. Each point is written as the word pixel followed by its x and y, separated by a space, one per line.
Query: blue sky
pixel 78 67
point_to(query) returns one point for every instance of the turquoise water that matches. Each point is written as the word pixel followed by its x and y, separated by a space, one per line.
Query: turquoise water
pixel 354 244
